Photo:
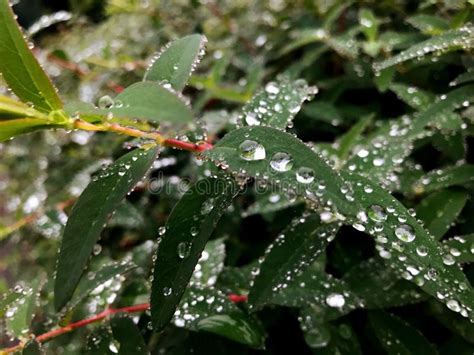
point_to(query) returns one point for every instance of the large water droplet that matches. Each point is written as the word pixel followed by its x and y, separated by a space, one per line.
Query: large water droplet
pixel 405 233
pixel 251 150
pixel 281 162
pixel 377 213
pixel 105 102
pixel 184 249
pixel 335 300
pixel 305 175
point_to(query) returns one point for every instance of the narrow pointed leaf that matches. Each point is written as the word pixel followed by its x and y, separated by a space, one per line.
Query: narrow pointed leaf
pixel 10 108
pixel 187 230
pixel 461 247
pixel 397 336
pixel 442 178
pixel 251 149
pixel 127 334
pixel 277 104
pixel 456 39
pixel 412 251
pixel 439 210
pixel 89 215
pixel 177 61
pixel 15 127
pixel 19 67
pixel 294 250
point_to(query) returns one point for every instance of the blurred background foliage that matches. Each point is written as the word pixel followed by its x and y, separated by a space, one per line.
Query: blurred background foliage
pixel 93 48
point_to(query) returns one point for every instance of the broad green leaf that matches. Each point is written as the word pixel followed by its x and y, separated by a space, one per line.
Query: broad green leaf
pixel 176 62
pixel 10 108
pixel 95 279
pixel 378 286
pixel 254 150
pixel 439 210
pixel 455 39
pixel 149 101
pixel 210 264
pixel 315 328
pixel 127 215
pixel 89 215
pixel 428 24
pixel 209 309
pixel 188 228
pixel 32 347
pixel 397 336
pixel 127 334
pixel 323 111
pixel 412 96
pixel 20 313
pixel 18 126
pixel 452 321
pixel 442 178
pixel 268 202
pixel 294 250
pixel 461 247
pixel 411 250
pixel 277 104
pixel 19 67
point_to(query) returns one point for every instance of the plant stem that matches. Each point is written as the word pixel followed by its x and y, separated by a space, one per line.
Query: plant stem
pixel 97 318
pixel 133 132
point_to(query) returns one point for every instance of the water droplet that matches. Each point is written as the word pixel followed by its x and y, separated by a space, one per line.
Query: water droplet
pixel 305 175
pixel 251 119
pixel 207 206
pixel 335 300
pixel 105 102
pixel 251 150
pixel 453 305
pixel 194 231
pixel 377 213
pixel 167 291
pixel 422 250
pixel 272 88
pixel 162 230
pixel 184 249
pixel 281 162
pixel 405 233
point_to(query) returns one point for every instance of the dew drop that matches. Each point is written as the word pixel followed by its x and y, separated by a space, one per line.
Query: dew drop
pixel 335 300
pixel 251 150
pixel 377 213
pixel 105 102
pixel 405 233
pixel 184 249
pixel 281 162
pixel 305 175
pixel 167 291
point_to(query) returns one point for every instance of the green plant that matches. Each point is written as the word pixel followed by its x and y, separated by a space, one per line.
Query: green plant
pixel 369 178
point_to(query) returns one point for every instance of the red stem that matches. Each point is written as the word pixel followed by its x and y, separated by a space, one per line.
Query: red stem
pixel 98 317
pixel 192 147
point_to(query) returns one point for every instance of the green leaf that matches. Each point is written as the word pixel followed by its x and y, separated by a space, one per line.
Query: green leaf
pixel 187 230
pixel 412 96
pixel 397 336
pixel 99 340
pixel 439 210
pixel 15 127
pixel 19 67
pixel 152 102
pixel 365 280
pixel 428 24
pixel 210 264
pixel 209 309
pixel 452 40
pixel 294 250
pixel 315 328
pixel 251 149
pixel 369 24
pixel 461 247
pixel 10 297
pixel 412 251
pixel 96 278
pixel 268 202
pixel 127 334
pixel 277 104
pixel 242 329
pixel 347 141
pixel 463 78
pixel 10 108
pixel 442 178
pixel 20 313
pixel 89 215
pixel 176 62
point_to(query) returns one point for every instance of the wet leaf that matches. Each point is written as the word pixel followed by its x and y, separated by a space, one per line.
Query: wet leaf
pixel 99 341
pixel 10 108
pixel 95 204
pixel 15 127
pixel 19 67
pixel 177 61
pixel 32 347
pixel 292 252
pixel 397 336
pixel 188 228
pixel 127 334
pixel 461 247
pixel 442 178
pixel 428 24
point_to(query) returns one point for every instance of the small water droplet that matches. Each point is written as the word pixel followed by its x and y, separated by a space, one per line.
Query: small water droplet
pixel 305 175
pixel 184 249
pixel 281 162
pixel 377 213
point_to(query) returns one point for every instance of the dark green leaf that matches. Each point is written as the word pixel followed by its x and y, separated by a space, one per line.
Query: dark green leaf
pixel 32 347
pixel 439 210
pixel 398 337
pixel 428 24
pixel 19 67
pixel 127 334
pixel 99 341
pixel 175 63
pixel 289 255
pixel 187 230
pixel 461 247
pixel 442 178
pixel 89 215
